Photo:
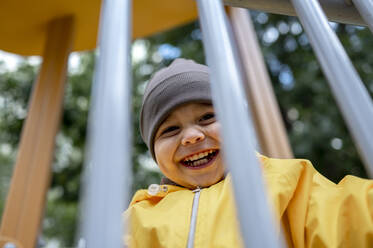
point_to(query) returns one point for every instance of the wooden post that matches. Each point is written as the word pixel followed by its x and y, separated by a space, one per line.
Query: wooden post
pixel 267 118
pixel 31 177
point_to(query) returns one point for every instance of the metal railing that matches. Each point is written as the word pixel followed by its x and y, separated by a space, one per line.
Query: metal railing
pixel 229 102
pixel 108 158
pixel 349 91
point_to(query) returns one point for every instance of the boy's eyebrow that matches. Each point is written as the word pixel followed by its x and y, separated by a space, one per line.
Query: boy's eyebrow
pixel 167 120
pixel 165 123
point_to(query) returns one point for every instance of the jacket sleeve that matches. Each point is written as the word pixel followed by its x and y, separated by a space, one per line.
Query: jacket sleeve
pixel 323 214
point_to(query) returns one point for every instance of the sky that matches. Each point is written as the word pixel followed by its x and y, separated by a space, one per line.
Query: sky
pixel 12 60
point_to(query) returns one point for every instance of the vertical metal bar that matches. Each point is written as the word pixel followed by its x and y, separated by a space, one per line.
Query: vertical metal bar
pixel 350 93
pixel 365 8
pixel 108 158
pixel 257 226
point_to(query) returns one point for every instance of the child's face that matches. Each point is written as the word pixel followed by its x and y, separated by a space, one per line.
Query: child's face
pixel 187 146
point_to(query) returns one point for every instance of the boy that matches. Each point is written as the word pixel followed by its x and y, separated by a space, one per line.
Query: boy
pixel 194 206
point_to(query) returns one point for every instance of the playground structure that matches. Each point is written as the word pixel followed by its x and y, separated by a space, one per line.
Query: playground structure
pixel 46 26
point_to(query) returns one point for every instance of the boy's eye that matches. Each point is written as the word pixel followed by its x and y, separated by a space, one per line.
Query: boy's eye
pixel 207 118
pixel 170 130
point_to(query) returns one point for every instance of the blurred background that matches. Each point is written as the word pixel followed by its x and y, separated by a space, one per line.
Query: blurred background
pixel 313 122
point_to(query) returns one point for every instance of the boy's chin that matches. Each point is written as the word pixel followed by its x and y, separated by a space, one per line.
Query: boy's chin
pixel 202 182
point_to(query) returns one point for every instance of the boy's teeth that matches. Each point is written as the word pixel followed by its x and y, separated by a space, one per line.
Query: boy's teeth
pixel 199 162
pixel 198 156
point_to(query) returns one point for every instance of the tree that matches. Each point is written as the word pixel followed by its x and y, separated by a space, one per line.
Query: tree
pixel 314 123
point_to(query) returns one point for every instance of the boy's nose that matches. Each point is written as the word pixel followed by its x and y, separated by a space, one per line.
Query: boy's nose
pixel 192 135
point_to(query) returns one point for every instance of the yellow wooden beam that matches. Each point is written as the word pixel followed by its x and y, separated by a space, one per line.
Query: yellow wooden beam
pixel 266 114
pixel 31 177
pixel 23 23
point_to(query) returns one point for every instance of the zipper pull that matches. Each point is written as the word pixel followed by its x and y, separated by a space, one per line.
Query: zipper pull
pixel 198 189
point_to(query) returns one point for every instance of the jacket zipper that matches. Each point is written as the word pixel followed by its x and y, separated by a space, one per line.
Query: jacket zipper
pixel 193 218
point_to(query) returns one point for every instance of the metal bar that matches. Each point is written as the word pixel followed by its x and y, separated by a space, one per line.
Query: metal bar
pixel 256 220
pixel 108 163
pixel 24 208
pixel 269 124
pixel 365 7
pixel 336 10
pixel 350 93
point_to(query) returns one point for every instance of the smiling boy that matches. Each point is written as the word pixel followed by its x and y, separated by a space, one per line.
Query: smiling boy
pixel 187 146
pixel 194 207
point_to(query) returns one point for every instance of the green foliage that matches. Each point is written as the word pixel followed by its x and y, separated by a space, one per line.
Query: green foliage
pixel 15 88
pixel 62 209
pixel 60 221
pixel 314 124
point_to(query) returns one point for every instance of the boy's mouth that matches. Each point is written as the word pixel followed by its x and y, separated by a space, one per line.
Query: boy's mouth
pixel 201 159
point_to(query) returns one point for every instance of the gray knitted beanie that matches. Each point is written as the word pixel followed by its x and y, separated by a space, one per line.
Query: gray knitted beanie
pixel 184 81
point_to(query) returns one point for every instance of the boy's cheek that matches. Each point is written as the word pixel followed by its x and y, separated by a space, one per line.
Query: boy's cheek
pixel 214 130
pixel 164 150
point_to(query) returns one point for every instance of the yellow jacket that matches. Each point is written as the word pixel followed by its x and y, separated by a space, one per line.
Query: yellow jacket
pixel 314 212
